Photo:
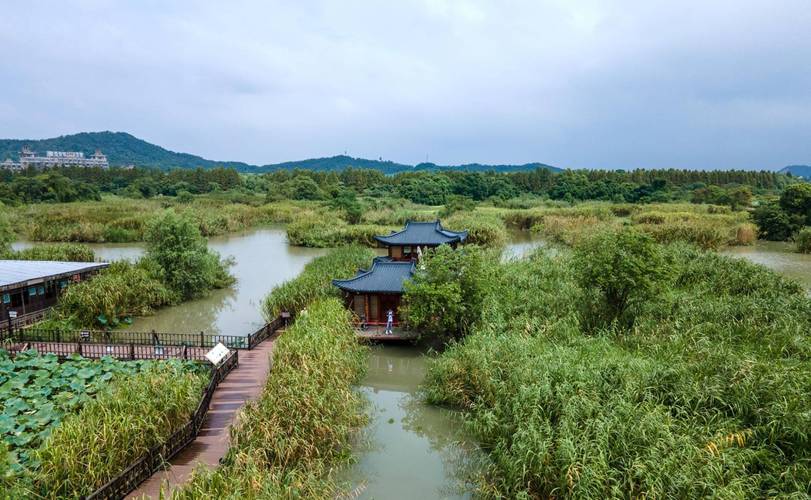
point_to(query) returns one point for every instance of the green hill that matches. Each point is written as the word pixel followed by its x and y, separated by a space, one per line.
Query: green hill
pixel 124 149
pixel 803 171
pixel 121 149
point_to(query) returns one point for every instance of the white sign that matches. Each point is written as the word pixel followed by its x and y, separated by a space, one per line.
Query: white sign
pixel 12 314
pixel 217 354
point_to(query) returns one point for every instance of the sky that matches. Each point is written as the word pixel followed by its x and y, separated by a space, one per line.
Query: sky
pixel 574 83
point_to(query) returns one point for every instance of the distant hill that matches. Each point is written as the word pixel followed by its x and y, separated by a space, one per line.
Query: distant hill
pixel 125 149
pixel 803 171
pixel 121 149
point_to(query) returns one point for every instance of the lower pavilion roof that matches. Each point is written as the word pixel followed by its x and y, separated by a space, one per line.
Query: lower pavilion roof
pixel 19 273
pixel 385 276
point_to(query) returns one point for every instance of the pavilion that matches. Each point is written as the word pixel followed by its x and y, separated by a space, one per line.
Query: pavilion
pixel 371 293
pixel 402 245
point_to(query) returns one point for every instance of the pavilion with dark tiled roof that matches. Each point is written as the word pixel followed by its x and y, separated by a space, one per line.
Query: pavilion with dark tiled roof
pixel 371 293
pixel 403 244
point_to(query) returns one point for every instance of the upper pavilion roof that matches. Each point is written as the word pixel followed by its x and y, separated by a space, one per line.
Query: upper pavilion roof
pixel 423 233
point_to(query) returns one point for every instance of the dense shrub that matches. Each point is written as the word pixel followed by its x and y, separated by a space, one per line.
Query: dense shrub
pixel 621 269
pixel 273 455
pixel 444 298
pixel 181 255
pixel 775 224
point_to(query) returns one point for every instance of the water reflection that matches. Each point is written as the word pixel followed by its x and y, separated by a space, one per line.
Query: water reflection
pixel 410 450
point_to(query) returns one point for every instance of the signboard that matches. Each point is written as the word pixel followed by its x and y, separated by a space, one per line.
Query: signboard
pixel 217 354
pixel 12 314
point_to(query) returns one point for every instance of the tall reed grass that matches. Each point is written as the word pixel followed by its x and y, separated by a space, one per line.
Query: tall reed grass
pixel 705 397
pixel 292 440
pixel 69 252
pixel 91 447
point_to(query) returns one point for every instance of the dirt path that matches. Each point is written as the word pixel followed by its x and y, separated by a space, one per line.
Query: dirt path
pixel 241 385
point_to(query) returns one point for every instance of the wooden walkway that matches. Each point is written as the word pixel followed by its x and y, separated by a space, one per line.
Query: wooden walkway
pixel 243 384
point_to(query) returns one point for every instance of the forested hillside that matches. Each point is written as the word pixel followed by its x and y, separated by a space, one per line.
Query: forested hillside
pixel 123 149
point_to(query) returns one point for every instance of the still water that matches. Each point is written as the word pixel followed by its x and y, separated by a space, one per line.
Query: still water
pixel 779 256
pixel 262 259
pixel 410 449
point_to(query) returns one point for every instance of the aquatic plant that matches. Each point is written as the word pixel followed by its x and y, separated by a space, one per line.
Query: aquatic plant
pixel 315 364
pixel 120 291
pixel 126 419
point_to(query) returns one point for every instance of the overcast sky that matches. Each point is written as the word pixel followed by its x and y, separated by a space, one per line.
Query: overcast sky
pixel 573 83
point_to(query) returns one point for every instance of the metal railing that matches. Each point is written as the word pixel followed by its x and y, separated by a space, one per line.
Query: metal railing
pixel 140 470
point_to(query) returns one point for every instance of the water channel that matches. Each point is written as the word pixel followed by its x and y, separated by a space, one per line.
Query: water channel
pixel 410 449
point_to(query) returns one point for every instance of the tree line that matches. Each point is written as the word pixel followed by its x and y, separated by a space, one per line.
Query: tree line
pixel 731 187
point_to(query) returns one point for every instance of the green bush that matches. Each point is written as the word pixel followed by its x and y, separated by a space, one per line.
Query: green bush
pixel 803 240
pixel 186 264
pixel 621 269
pixel 444 298
pixel 315 364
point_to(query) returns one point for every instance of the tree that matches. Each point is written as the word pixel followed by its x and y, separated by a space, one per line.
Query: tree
pixel 444 299
pixel 740 197
pixel 185 263
pixel 347 202
pixel 796 200
pixel 775 224
pixel 618 270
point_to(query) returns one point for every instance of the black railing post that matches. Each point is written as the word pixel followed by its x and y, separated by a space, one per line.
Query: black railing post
pixel 132 350
pixel 201 340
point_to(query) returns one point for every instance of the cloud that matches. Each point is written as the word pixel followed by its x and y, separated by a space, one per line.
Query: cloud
pixel 619 84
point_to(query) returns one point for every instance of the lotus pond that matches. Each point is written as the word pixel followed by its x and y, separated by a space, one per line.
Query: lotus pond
pixel 37 392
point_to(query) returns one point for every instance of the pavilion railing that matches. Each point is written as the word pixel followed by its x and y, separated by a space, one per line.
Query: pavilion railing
pixel 140 470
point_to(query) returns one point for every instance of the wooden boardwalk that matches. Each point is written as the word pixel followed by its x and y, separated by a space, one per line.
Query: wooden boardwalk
pixel 378 333
pixel 243 384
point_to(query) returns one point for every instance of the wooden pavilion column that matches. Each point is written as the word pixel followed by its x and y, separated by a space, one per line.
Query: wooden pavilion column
pixel 366 306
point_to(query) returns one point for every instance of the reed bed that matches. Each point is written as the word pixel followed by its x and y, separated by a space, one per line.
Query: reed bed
pixel 483 230
pixel 328 231
pixel 315 281
pixel 803 240
pixel 69 252
pixel 124 421
pixel 705 396
pixel 292 440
